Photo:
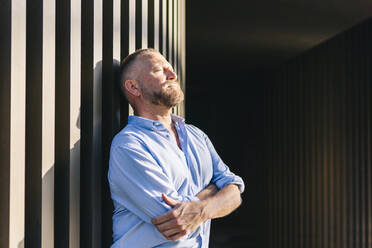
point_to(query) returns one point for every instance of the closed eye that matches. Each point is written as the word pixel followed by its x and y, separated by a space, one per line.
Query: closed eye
pixel 157 69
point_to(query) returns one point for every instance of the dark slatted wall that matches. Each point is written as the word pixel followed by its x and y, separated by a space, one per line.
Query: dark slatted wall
pixel 5 75
pixel 318 146
pixel 60 108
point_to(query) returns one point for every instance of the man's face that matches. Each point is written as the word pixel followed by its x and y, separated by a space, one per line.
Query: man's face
pixel 159 84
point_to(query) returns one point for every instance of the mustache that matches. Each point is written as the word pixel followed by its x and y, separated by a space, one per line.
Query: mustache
pixel 173 81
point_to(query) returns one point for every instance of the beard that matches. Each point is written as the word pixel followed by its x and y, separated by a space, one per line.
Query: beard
pixel 169 95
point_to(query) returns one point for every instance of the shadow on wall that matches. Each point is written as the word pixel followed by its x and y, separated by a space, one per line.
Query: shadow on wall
pixel 99 166
pixel 48 193
pixel 21 244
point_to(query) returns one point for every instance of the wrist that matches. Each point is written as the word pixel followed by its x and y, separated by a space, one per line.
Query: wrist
pixel 205 209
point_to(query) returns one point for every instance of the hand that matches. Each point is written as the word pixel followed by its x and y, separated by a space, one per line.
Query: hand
pixel 181 220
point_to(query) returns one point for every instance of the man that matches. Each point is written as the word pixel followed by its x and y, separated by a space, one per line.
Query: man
pixel 166 180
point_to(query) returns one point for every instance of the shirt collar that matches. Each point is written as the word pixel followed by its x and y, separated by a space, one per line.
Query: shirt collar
pixel 151 124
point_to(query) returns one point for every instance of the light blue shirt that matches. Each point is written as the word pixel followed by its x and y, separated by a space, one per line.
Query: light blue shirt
pixel 145 161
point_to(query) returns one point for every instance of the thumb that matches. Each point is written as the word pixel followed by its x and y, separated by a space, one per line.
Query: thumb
pixel 169 200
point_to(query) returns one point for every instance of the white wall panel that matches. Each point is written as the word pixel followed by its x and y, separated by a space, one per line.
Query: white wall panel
pixel 132 26
pixel 164 28
pixel 156 24
pixel 75 91
pixel 175 35
pixel 97 84
pixel 144 22
pixel 47 225
pixel 18 122
pixel 170 31
pixel 116 30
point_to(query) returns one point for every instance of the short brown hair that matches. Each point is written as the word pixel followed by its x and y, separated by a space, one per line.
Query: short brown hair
pixel 127 62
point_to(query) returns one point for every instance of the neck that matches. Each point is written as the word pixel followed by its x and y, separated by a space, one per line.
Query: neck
pixel 156 113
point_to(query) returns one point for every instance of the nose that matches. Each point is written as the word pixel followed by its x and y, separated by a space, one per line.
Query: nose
pixel 171 75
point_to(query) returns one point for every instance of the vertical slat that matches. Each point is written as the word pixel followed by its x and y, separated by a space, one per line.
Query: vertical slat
pixel 109 123
pixel 325 150
pixel 175 36
pixel 278 189
pixel 369 149
pixel 363 144
pixel 161 25
pixel 170 31
pixel 17 124
pixel 135 30
pixel 336 165
pixel 354 140
pixel 286 155
pixel 97 164
pixel 350 151
pixel 270 117
pixel 62 126
pixel 330 159
pixel 138 24
pixel 274 165
pixel 124 50
pixel 34 47
pixel 132 19
pixel 179 39
pixel 5 118
pixel 165 32
pixel 183 53
pixel 75 125
pixel 319 161
pixel 289 155
pixel 124 28
pixel 48 116
pixel 305 173
pixel 313 154
pixel 157 25
pixel 151 23
pixel 280 168
pixel 357 109
pixel 298 135
pixel 344 153
pixel 86 119
pixel 144 21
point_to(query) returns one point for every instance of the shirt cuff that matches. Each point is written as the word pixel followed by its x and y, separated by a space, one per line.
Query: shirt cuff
pixel 231 180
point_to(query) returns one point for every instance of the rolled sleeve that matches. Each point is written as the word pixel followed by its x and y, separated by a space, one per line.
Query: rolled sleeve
pixel 222 175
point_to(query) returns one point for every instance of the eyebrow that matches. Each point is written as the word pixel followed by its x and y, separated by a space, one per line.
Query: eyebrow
pixel 160 65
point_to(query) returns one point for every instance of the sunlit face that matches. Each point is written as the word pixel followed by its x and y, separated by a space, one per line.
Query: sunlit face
pixel 158 81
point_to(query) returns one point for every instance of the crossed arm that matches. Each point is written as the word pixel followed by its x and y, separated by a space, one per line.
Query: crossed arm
pixel 138 185
pixel 187 216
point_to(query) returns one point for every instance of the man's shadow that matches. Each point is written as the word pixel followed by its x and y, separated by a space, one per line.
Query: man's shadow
pixel 48 193
pixel 48 189
pixel 119 118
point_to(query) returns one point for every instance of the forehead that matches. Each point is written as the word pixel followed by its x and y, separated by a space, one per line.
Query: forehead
pixel 151 59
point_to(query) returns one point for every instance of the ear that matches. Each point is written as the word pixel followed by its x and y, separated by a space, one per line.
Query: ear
pixel 132 87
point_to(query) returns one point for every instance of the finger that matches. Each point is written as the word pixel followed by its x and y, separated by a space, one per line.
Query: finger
pixel 170 215
pixel 167 225
pixel 170 201
pixel 178 236
pixel 171 232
